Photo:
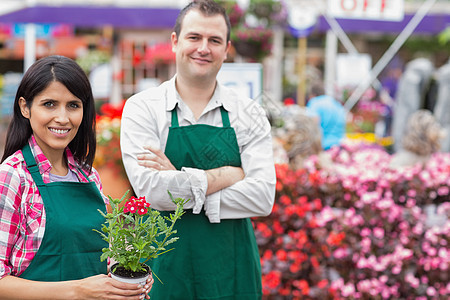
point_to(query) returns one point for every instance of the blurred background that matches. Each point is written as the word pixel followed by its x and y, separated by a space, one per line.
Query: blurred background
pixel 354 218
pixel 281 45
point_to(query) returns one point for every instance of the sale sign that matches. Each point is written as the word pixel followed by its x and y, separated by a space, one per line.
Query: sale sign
pixel 389 10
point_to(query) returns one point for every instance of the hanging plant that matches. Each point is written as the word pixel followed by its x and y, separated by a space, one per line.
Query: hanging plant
pixel 235 13
pixel 269 12
pixel 252 43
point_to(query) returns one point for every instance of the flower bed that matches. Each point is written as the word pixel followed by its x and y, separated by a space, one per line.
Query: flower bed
pixel 357 229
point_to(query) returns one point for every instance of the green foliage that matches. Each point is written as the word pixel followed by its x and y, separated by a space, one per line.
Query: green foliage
pixel 137 233
pixel 93 59
pixel 444 36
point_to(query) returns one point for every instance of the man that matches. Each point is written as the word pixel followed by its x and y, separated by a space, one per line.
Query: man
pixel 202 141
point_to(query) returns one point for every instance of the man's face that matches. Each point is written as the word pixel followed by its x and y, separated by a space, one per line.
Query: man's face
pixel 201 46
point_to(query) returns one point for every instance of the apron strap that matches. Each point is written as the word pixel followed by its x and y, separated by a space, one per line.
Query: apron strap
pixel 31 164
pixel 174 117
pixel 225 118
pixel 34 170
pixel 85 176
pixel 223 112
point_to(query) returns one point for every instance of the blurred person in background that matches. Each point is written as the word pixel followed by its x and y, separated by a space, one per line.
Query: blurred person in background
pixel 330 113
pixel 422 137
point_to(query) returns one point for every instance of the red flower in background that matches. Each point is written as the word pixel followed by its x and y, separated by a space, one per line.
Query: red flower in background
pixel 112 110
pixel 160 53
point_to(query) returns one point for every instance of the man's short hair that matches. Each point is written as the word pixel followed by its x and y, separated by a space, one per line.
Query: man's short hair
pixel 206 7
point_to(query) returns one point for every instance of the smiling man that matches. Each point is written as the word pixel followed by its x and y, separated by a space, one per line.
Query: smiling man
pixel 202 141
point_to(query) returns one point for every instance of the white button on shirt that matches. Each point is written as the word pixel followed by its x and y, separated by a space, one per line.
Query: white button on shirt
pixel 146 120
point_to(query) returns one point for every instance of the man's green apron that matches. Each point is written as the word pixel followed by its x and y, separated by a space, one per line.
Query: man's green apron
pixel 209 261
pixel 70 248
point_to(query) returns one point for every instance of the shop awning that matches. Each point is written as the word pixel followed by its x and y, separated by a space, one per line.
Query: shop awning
pixel 155 17
pixel 94 16
pixel 430 24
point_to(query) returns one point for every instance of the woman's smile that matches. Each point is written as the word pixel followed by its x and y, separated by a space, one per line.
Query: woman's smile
pixel 59 131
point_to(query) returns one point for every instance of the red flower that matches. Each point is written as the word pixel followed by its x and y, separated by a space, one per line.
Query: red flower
pixel 267 255
pixel 317 204
pixel 322 284
pixel 314 262
pixel 285 200
pixel 272 279
pixel 294 268
pixel 138 205
pixel 112 110
pixel 335 239
pixel 281 255
pixel 278 228
pixel 264 229
pixel 142 211
pixel 279 186
pixel 302 285
pixel 315 178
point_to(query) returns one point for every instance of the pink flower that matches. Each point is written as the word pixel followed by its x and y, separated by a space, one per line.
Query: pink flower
pixel 443 253
pixel 431 291
pixel 378 232
pixel 365 232
pixel 365 244
pixel 411 193
pixel 412 280
pixel 340 253
pixel 348 290
pixel 442 191
pixel 396 269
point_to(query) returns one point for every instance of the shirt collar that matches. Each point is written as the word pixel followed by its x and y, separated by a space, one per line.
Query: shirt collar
pixel 43 163
pixel 173 98
pixel 218 99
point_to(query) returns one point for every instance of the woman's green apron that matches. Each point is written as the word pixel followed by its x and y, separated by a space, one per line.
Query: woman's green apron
pixel 209 261
pixel 70 248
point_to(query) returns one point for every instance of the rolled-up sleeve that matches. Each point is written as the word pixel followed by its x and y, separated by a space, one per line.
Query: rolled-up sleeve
pixel 254 195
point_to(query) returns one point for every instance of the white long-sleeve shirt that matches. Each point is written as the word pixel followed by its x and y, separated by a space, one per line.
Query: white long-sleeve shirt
pixel 146 120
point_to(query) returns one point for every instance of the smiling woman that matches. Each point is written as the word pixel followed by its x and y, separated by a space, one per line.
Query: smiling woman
pixel 49 189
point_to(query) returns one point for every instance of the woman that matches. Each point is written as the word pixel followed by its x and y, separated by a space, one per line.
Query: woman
pixel 50 193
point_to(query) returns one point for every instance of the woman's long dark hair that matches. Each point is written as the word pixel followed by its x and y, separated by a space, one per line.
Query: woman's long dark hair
pixel 35 80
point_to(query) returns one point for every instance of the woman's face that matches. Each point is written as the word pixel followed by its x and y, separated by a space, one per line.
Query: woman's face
pixel 55 116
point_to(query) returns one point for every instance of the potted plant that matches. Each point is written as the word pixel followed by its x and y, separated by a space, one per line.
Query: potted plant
pixel 136 234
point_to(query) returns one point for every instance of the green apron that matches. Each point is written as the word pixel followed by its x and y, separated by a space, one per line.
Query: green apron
pixel 209 261
pixel 70 248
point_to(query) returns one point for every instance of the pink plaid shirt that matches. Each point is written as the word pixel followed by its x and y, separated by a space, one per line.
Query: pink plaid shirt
pixel 22 213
